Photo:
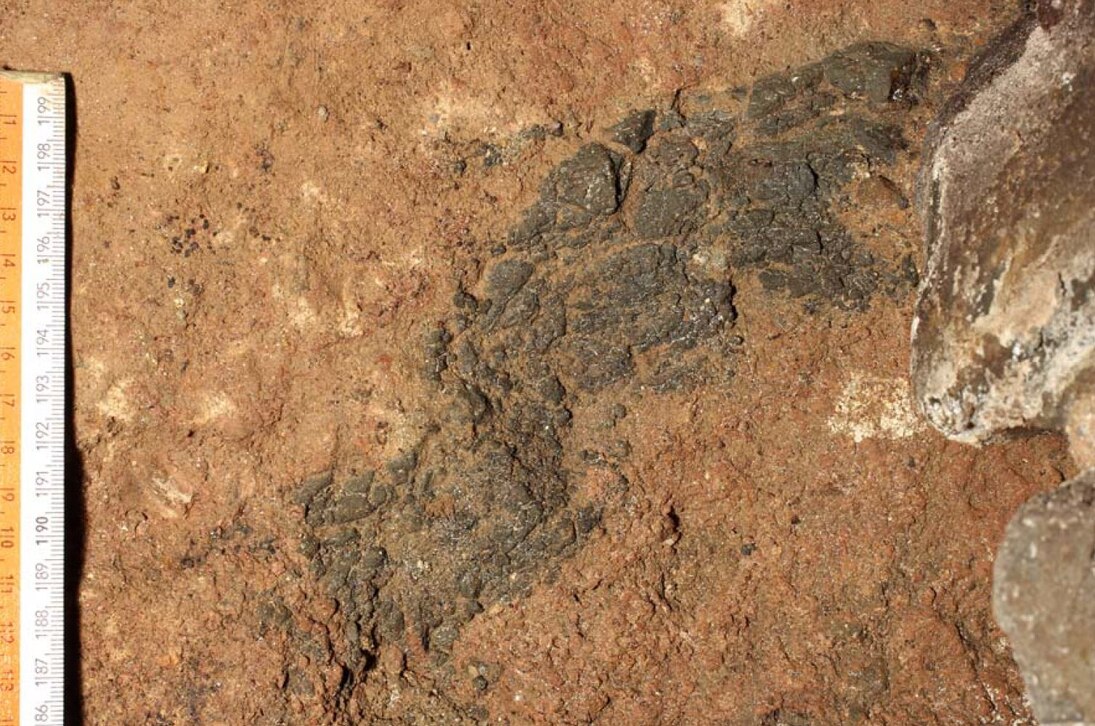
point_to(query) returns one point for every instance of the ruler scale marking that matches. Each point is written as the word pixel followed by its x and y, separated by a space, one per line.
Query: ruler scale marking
pixel 32 398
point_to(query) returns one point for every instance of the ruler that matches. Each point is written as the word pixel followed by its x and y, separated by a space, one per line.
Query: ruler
pixel 32 397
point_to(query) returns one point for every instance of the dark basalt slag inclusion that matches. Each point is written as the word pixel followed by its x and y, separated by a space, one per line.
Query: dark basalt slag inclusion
pixel 616 280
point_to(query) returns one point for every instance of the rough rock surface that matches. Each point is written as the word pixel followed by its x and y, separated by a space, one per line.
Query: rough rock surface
pixel 1004 335
pixel 280 210
pixel 617 278
pixel 1044 598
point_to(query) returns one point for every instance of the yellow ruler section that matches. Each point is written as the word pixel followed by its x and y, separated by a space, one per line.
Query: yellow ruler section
pixel 11 231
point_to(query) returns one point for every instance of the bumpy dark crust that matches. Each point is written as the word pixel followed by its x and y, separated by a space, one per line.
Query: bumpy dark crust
pixel 615 283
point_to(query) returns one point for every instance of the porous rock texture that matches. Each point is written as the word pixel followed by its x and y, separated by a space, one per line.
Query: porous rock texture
pixel 494 362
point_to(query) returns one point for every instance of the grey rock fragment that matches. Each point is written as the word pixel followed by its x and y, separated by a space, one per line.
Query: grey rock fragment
pixel 666 210
pixel 589 180
pixel 508 277
pixel 1004 333
pixel 878 71
pixel 634 130
pixel 1044 598
pixel 1005 324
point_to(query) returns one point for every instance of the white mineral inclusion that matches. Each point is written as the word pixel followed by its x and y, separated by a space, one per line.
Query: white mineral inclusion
pixel 739 16
pixel 872 407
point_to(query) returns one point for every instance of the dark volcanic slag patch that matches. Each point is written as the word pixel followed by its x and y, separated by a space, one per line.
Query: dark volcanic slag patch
pixel 617 277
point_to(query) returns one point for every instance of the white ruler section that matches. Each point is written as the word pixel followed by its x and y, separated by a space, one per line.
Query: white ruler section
pixel 42 456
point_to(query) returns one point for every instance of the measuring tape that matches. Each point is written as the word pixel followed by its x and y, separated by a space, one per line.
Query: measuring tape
pixel 32 397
